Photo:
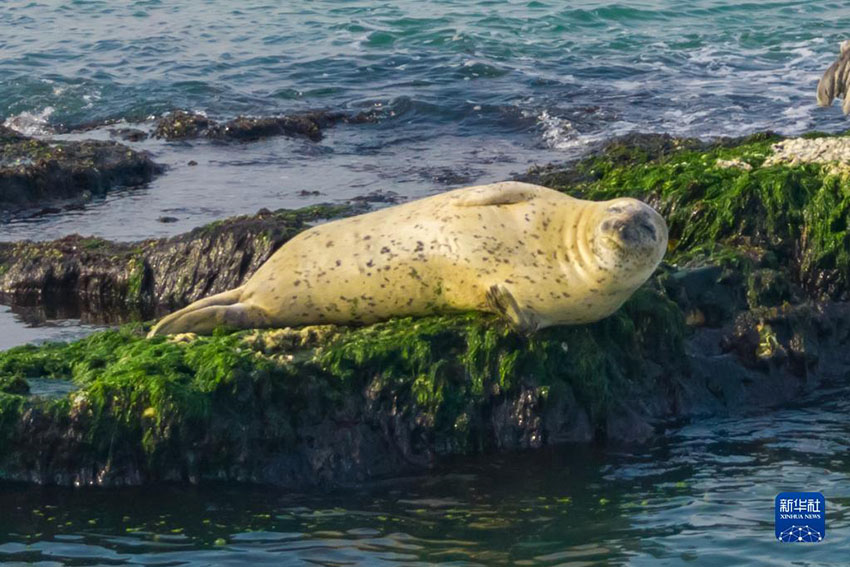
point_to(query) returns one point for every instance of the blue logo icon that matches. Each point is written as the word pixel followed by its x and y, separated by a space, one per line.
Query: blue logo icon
pixel 800 517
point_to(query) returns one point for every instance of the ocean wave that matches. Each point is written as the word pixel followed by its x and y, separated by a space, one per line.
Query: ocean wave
pixel 559 133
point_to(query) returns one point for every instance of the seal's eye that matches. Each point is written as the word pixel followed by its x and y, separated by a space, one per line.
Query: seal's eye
pixel 635 228
pixel 646 227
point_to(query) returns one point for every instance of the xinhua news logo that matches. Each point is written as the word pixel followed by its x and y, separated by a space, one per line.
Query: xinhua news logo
pixel 800 517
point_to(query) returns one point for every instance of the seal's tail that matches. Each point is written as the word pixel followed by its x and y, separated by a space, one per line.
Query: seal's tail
pixel 204 315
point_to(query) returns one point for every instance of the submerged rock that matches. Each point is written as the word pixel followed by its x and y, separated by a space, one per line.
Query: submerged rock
pixel 33 171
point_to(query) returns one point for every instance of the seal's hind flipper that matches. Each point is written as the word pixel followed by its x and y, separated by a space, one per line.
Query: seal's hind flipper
pixel 220 299
pixel 501 301
pixel 506 193
pixel 205 320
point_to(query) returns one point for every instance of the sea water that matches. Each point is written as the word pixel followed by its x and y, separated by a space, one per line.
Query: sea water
pixel 466 92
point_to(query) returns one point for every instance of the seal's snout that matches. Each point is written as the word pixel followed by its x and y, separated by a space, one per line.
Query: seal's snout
pixel 633 224
pixel 635 229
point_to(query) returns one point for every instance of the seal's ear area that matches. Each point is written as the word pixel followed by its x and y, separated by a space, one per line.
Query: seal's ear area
pixel 506 193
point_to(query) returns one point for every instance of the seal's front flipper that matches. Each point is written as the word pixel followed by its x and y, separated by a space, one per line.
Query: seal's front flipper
pixel 506 193
pixel 501 301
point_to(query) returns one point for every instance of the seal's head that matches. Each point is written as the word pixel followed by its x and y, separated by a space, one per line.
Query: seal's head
pixel 630 239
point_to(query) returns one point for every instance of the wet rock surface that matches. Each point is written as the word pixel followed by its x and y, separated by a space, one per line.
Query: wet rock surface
pixel 34 172
pixel 749 312
pixel 182 125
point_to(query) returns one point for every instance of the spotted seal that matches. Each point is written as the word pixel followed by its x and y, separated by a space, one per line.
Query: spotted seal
pixel 836 79
pixel 534 255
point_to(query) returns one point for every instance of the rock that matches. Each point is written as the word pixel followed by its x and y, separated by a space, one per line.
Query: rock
pixel 246 128
pixel 33 171
pixel 822 150
pixel 320 405
pixel 182 125
pixel 734 163
pixel 708 294
pixel 128 134
pixel 327 405
pixel 379 196
pixel 167 219
pixel 44 211
pixel 768 288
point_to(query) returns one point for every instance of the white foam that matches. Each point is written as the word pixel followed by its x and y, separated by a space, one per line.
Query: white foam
pixel 558 133
pixel 31 124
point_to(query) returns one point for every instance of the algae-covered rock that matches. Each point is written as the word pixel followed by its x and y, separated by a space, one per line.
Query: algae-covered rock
pixel 328 404
pixel 324 404
pixel 34 172
pixel 113 280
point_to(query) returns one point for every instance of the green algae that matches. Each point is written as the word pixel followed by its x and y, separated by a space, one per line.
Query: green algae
pixel 14 385
pixel 93 243
pixel 135 281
